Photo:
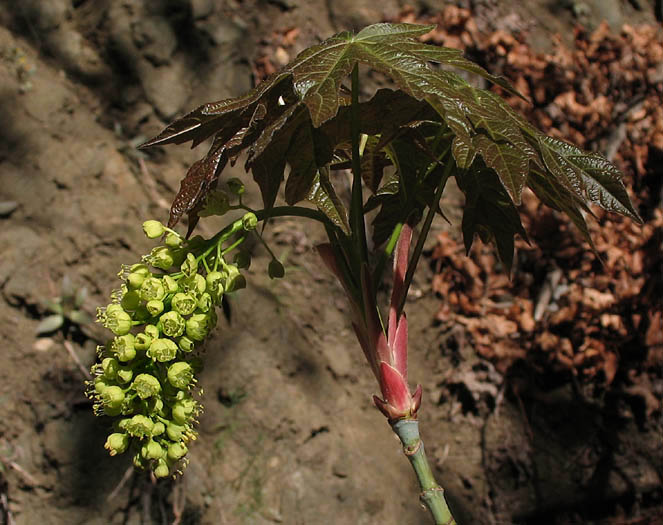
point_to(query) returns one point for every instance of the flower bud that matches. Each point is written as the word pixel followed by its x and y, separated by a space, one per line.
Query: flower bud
pixel 113 307
pixel 242 260
pixel 185 344
pixel 110 367
pixel 139 462
pixel 138 426
pixel 275 270
pixel 117 443
pixel 152 331
pixel 152 289
pixel 172 324
pixel 112 398
pixel 155 406
pixel 100 385
pixel 249 221
pixel 197 327
pixel 169 284
pixel 173 240
pixel 194 285
pixel 162 350
pixel 154 307
pixel 153 229
pixel 118 321
pixel 190 266
pixel 162 470
pixel 183 410
pixel 180 414
pixel 236 186
pixel 183 304
pixel 123 347
pixel 162 257
pixel 146 385
pixel 130 300
pixel 214 281
pixel 140 268
pixel 180 374
pixel 235 280
pixel 134 280
pixel 175 432
pixel 124 375
pixel 205 302
pixel 142 342
pixel 151 450
pixel 158 429
pixel 176 451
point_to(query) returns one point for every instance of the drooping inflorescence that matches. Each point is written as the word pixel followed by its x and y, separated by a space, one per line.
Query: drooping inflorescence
pixel 145 376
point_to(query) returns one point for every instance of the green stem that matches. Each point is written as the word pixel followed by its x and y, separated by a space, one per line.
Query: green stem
pixel 419 248
pixel 386 254
pixel 432 495
pixel 357 205
pixel 291 211
pixel 262 241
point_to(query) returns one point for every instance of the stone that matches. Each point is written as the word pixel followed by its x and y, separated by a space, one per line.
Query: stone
pixel 156 39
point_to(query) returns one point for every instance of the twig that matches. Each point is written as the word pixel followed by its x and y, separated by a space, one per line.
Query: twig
pixel 27 477
pixel 178 501
pixel 9 519
pixel 72 354
pixel 146 500
pixel 121 484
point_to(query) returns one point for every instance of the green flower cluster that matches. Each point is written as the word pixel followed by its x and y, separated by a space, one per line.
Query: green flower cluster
pixel 145 376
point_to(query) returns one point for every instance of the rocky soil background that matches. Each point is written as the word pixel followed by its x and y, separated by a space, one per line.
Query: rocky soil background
pixel 542 395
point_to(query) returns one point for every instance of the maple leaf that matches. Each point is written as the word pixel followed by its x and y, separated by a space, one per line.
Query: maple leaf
pixel 300 117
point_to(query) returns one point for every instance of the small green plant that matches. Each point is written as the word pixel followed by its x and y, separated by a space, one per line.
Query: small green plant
pixel 402 145
pixel 65 308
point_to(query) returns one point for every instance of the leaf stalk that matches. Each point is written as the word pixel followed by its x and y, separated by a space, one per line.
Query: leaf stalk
pixel 419 247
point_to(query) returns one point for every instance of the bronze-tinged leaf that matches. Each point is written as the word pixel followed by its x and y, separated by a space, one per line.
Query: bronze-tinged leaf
pixel 454 58
pixel 312 151
pixel 390 214
pixel 488 211
pixel 373 162
pixel 318 72
pixel 194 186
pixel 267 155
pixel 453 113
pixel 323 195
pixel 387 33
pixel 464 153
pixel 279 131
pixel 482 122
pixel 509 163
pixel 588 175
pixel 268 173
pixel 559 198
pixel 300 117
pixel 206 120
pixel 384 114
